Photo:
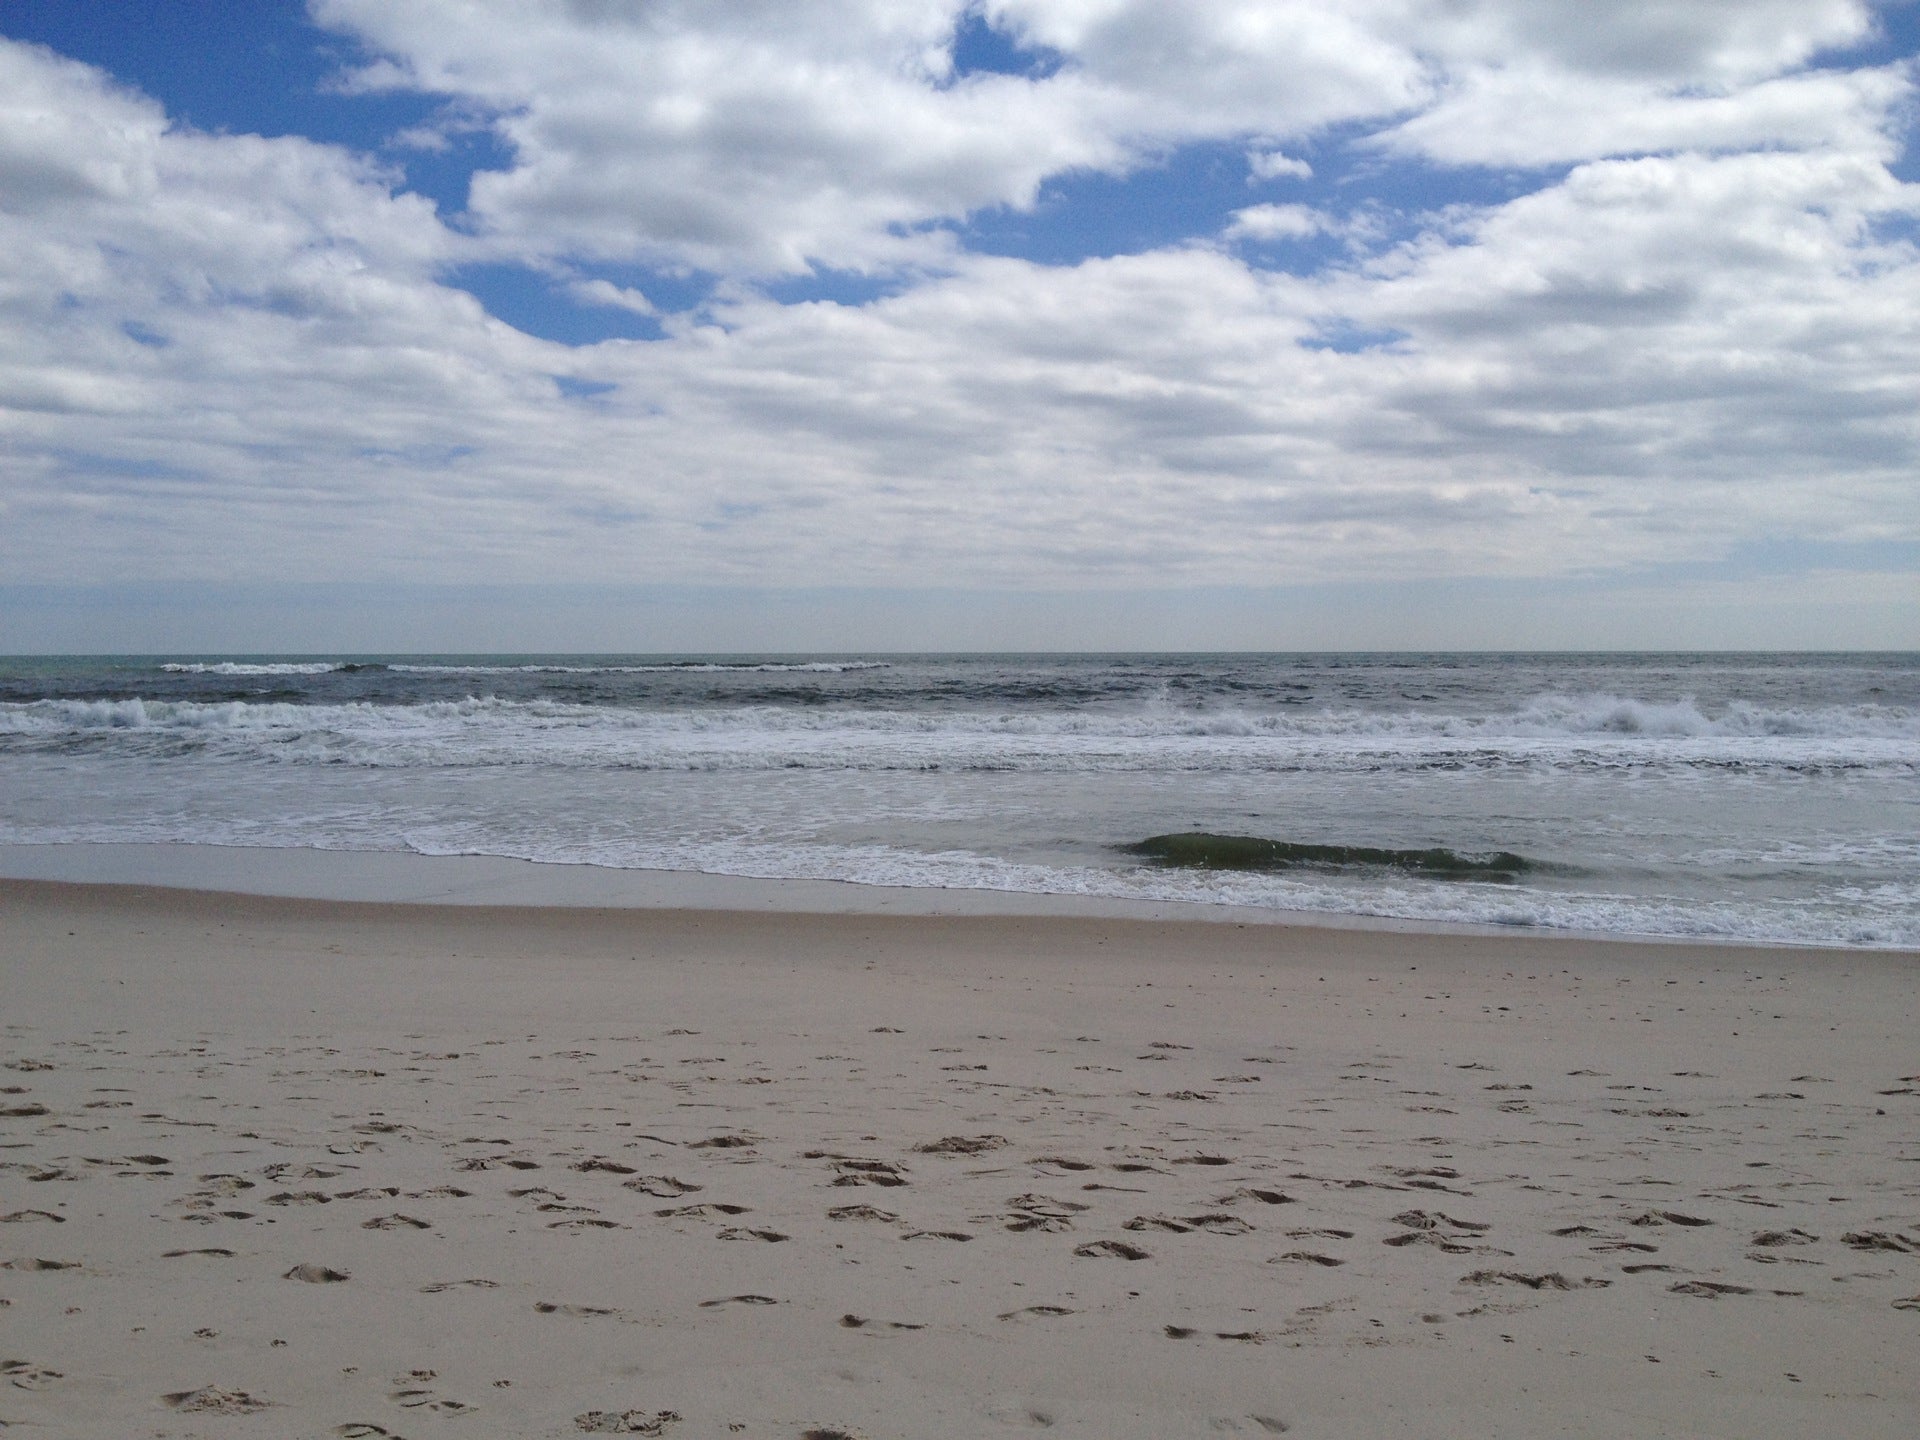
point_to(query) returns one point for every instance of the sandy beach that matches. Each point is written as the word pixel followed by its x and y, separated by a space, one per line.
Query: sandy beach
pixel 300 1167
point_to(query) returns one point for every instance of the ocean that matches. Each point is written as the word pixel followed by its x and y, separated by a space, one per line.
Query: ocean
pixel 1770 797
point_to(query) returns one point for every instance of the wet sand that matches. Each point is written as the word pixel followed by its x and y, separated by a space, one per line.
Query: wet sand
pixel 297 1167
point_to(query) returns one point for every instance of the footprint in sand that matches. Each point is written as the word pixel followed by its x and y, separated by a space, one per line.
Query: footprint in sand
pixel 1248 1192
pixel 547 1307
pixel 1708 1289
pixel 1871 1240
pixel 360 1430
pixel 868 1172
pixel 734 1232
pixel 625 1422
pixel 1157 1222
pixel 316 1275
pixel 395 1222
pixel 35 1265
pixel 702 1211
pixel 962 1145
pixel 22 1217
pixel 1047 1224
pixel 1440 1242
pixel 738 1300
pixel 1212 1224
pixel 413 1393
pixel 1771 1238
pixel 661 1187
pixel 215 1400
pixel 861 1212
pixel 25 1375
pixel 860 1322
pixel 439 1286
pixel 1045 1206
pixel 1552 1280
pixel 1045 1311
pixel 1111 1250
pixel 725 1142
pixel 284 1170
pixel 1434 1220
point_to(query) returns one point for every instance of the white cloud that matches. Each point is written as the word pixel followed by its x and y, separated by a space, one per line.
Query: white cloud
pixel 1278 222
pixel 766 138
pixel 229 357
pixel 1715 43
pixel 1275 165
pixel 618 297
pixel 763 138
pixel 1543 116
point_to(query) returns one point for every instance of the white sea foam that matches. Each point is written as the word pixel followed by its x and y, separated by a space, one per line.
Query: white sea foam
pixel 1838 916
pixel 689 667
pixel 232 667
pixel 1601 732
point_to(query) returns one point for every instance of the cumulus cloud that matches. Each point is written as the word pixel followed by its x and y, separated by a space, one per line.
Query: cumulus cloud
pixel 771 137
pixel 618 297
pixel 1543 117
pixel 1277 222
pixel 1276 165
pixel 223 356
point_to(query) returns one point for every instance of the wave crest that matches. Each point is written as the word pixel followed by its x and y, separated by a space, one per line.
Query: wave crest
pixel 1200 850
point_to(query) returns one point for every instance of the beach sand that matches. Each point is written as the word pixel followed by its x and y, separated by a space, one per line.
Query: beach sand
pixel 289 1168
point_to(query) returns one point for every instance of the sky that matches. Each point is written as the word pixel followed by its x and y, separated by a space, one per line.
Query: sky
pixel 686 325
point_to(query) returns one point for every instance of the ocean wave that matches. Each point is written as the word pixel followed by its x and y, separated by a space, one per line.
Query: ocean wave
pixel 475 731
pixel 673 667
pixel 1199 850
pixel 286 667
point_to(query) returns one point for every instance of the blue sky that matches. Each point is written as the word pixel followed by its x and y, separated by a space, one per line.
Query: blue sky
pixel 1589 327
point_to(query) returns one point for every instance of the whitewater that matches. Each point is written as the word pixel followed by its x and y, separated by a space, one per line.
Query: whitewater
pixel 1752 797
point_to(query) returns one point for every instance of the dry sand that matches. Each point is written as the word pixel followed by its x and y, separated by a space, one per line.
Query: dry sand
pixel 298 1168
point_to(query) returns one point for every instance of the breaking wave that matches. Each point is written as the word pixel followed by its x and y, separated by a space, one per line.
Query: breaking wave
pixel 1199 850
pixel 670 667
pixel 279 667
pixel 1547 733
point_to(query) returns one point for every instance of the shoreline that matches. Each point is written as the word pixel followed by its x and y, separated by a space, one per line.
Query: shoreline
pixel 409 878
